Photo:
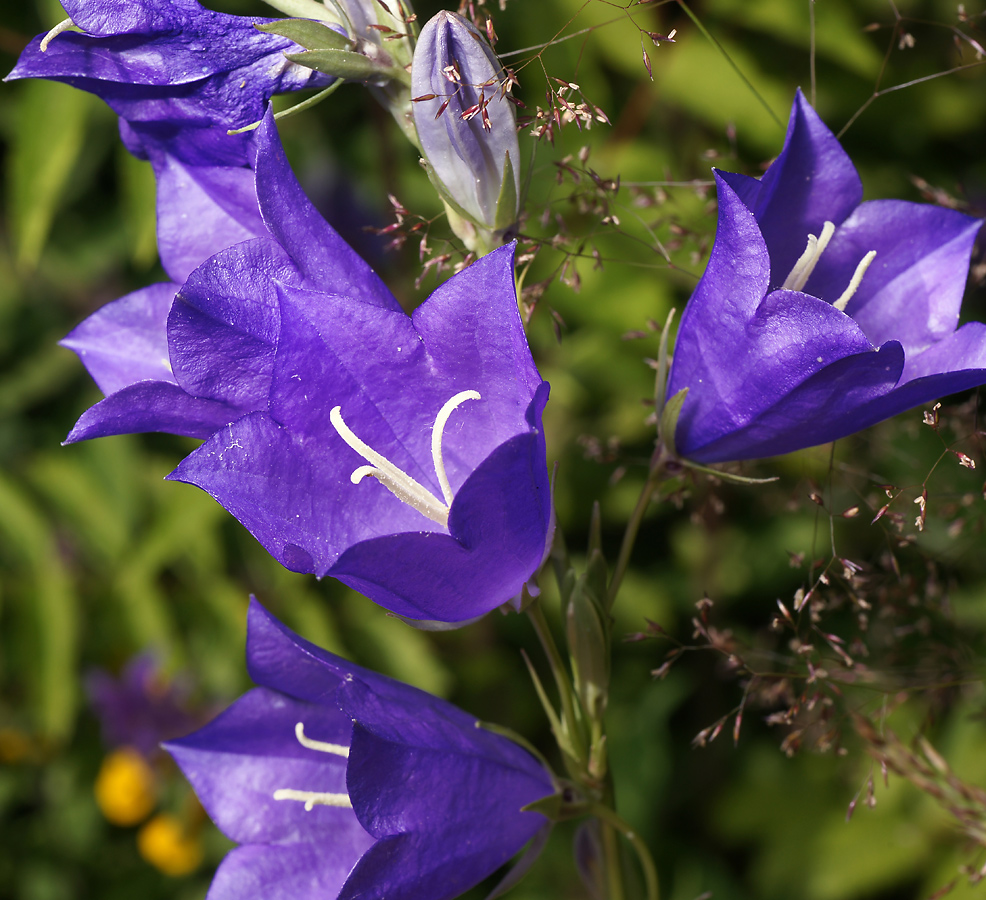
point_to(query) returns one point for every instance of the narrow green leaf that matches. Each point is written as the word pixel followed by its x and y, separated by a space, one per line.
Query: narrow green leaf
pixel 340 63
pixel 50 134
pixel 311 35
pixel 54 604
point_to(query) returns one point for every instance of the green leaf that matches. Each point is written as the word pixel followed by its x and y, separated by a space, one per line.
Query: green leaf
pixel 54 604
pixel 49 137
pixel 311 35
pixel 339 63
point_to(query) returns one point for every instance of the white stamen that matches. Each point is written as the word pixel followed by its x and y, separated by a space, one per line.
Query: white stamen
pixel 806 263
pixel 436 438
pixel 857 277
pixel 312 799
pixel 64 25
pixel 397 481
pixel 321 746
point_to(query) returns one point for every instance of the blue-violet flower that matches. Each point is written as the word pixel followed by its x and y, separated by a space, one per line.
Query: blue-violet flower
pixel 179 75
pixel 818 315
pixel 291 358
pixel 465 120
pixel 341 783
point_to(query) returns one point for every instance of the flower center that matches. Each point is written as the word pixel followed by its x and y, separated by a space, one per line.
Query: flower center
pixel 799 275
pixel 311 799
pixel 396 480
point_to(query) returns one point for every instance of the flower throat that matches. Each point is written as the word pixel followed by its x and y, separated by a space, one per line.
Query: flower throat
pixel 798 276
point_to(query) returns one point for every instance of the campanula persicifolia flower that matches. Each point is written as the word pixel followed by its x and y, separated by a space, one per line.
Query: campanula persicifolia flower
pixel 141 708
pixel 179 75
pixel 158 367
pixel 341 783
pixel 818 315
pixel 301 370
pixel 465 121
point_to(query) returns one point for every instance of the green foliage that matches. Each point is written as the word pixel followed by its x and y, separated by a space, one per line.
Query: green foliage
pixel 101 559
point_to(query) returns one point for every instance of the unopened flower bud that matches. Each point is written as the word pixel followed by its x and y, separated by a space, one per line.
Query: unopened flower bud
pixel 466 124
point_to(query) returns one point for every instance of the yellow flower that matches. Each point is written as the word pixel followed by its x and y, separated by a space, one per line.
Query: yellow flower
pixel 125 787
pixel 166 844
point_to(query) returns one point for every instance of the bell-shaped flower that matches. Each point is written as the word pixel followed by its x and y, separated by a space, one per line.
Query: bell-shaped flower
pixel 179 75
pixel 341 783
pixel 818 315
pixel 304 375
pixel 159 367
pixel 465 122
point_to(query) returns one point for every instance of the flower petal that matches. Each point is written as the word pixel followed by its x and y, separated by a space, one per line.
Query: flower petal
pixel 224 325
pixel 811 182
pixel 913 290
pixel 284 872
pixel 238 761
pixel 202 210
pixel 126 341
pixel 325 259
pixel 152 406
pixel 836 401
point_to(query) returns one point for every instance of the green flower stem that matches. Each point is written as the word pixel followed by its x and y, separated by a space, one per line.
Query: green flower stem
pixel 612 823
pixel 630 535
pixel 612 862
pixel 560 673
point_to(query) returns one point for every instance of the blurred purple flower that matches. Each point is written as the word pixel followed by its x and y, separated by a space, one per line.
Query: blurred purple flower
pixel 465 121
pixel 341 783
pixel 177 74
pixel 140 708
pixel 296 364
pixel 782 346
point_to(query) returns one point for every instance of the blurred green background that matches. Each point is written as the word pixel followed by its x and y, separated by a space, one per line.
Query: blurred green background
pixel 100 560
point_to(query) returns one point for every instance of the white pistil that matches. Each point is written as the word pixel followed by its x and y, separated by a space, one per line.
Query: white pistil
pixel 321 746
pixel 396 480
pixel 857 277
pixel 311 799
pixel 806 263
pixel 436 438
pixel 64 25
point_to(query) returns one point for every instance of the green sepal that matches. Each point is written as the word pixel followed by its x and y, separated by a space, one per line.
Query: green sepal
pixel 506 203
pixel 588 633
pixel 663 363
pixel 566 804
pixel 340 64
pixel 668 420
pixel 310 35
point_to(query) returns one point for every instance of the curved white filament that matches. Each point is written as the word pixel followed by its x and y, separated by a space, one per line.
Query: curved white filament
pixel 857 277
pixel 799 275
pixel 321 746
pixel 436 438
pixel 396 480
pixel 64 25
pixel 312 799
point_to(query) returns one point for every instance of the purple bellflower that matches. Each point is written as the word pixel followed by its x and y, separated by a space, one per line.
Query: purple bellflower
pixel 179 75
pixel 818 315
pixel 141 708
pixel 341 783
pixel 465 121
pixel 301 371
